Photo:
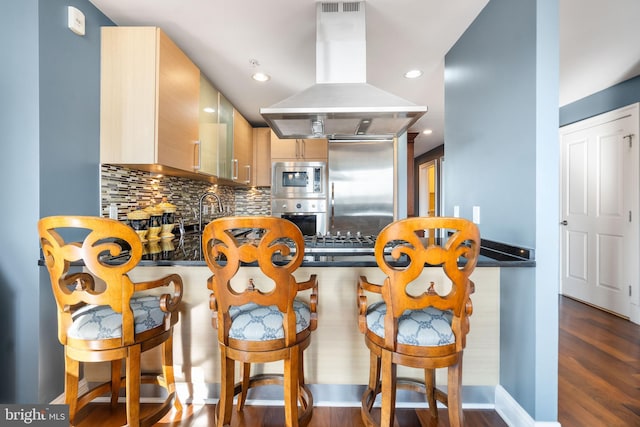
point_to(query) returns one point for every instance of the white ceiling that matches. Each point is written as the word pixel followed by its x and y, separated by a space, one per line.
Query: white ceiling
pixel 598 46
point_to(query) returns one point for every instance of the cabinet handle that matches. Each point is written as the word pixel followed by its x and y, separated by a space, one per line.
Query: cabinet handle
pixel 302 149
pixel 248 168
pixel 234 168
pixel 197 156
pixel 331 219
pixel 297 149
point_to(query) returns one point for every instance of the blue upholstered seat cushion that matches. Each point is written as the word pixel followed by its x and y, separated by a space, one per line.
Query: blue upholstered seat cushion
pixel 96 322
pixel 253 322
pixel 427 327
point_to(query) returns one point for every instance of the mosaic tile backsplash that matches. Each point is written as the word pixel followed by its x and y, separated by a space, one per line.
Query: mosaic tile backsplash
pixel 131 189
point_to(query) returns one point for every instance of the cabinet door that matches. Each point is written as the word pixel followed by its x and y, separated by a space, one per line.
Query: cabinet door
pixel 314 149
pixel 225 138
pixel 283 148
pixel 262 157
pixel 128 95
pixel 178 100
pixel 208 132
pixel 242 148
pixel 298 149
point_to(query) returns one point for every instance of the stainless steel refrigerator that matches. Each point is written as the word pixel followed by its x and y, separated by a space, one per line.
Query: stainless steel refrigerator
pixel 361 195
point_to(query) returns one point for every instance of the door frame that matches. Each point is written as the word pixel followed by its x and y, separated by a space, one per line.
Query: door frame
pixel 437 155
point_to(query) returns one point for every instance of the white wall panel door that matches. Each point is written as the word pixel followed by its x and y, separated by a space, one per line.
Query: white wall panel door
pixel 599 190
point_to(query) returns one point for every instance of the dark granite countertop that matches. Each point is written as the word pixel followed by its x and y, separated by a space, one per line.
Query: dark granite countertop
pixel 187 252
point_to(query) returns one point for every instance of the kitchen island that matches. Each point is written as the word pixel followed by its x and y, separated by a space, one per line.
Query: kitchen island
pixel 337 361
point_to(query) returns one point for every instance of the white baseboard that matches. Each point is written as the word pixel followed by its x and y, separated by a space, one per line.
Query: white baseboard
pixel 634 314
pixel 513 414
pixel 83 387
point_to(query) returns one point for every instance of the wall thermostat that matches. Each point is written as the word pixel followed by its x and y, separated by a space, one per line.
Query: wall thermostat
pixel 76 21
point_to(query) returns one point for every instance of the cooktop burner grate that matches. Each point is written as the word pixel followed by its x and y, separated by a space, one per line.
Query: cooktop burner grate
pixel 339 243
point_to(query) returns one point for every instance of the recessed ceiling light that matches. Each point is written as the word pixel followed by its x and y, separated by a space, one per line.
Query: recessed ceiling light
pixel 209 110
pixel 260 77
pixel 427 132
pixel 413 74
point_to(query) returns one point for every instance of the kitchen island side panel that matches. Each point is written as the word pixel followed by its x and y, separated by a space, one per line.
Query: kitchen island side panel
pixel 337 354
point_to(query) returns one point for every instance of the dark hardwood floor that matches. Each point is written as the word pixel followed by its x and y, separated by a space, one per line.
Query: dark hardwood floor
pixel 598 381
pixel 101 415
pixel 599 368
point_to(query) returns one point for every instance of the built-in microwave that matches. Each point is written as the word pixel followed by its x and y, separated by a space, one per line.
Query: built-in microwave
pixel 299 180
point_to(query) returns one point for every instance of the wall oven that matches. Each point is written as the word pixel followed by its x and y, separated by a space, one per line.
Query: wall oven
pixel 310 215
pixel 299 180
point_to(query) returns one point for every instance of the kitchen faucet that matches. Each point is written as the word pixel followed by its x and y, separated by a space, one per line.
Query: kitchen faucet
pixel 215 196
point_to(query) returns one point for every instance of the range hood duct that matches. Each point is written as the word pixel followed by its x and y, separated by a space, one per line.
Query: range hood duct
pixel 341 105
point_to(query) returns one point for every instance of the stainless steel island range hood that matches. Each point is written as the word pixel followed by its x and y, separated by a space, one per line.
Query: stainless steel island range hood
pixel 341 105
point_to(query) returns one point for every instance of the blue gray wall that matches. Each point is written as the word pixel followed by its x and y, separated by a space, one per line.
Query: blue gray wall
pixel 50 147
pixel 617 96
pixel 19 278
pixel 501 151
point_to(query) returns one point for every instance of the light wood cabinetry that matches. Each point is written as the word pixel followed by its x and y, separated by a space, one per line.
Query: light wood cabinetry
pixel 261 157
pixel 298 149
pixel 149 100
pixel 242 149
pixel 209 129
pixel 225 141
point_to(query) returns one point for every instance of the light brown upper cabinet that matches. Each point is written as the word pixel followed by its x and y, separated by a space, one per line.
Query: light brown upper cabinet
pixel 242 149
pixel 298 149
pixel 261 157
pixel 225 140
pixel 209 129
pixel 149 101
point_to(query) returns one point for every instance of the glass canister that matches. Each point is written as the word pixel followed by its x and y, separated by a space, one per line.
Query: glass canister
pixel 139 221
pixel 168 218
pixel 153 249
pixel 167 247
pixel 155 222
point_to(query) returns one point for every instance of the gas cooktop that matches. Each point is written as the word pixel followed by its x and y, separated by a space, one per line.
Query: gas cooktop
pixel 339 243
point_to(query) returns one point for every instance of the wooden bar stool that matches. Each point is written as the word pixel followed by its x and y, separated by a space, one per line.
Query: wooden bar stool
pixel 421 325
pixel 259 322
pixel 103 315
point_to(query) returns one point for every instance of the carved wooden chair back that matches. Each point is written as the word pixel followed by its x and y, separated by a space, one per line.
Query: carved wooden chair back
pixel 275 245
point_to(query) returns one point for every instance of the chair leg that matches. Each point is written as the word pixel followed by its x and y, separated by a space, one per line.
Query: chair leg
pixel 374 373
pixel 167 372
pixel 301 384
pixel 225 403
pixel 291 383
pixel 133 386
pixel 454 392
pixel 305 397
pixel 116 365
pixel 369 396
pixel 71 378
pixel 389 378
pixel 430 385
pixel 245 375
pixel 372 390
